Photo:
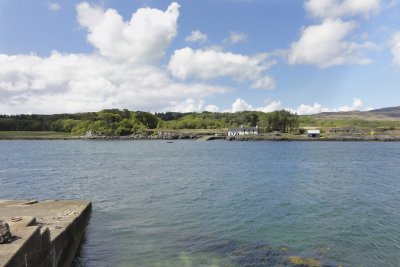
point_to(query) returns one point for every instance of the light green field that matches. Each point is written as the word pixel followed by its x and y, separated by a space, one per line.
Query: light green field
pixel 34 135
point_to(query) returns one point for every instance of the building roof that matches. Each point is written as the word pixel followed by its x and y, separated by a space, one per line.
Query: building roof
pixel 314 131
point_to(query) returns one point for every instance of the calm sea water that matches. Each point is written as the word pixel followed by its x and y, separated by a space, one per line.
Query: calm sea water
pixel 219 203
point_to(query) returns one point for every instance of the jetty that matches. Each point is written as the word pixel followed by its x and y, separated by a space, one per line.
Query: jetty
pixel 210 138
pixel 44 233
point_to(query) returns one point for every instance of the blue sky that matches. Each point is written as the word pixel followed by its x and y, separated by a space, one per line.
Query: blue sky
pixel 218 55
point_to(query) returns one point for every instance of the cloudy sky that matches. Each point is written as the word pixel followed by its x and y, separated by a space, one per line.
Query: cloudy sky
pixel 308 56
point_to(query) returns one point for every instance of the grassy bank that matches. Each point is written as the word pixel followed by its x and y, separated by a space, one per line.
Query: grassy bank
pixel 35 135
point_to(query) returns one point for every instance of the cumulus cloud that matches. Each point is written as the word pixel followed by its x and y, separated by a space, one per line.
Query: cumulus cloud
pixel 240 105
pixel 309 109
pixel 210 64
pixel 191 105
pixel 188 105
pixel 124 71
pixel 303 109
pixel 77 82
pixel 211 108
pixel 119 74
pixel 237 37
pixel 53 6
pixel 142 39
pixel 318 108
pixel 357 105
pixel 272 106
pixel 341 8
pixel 395 47
pixel 196 36
pixel 264 83
pixel 324 45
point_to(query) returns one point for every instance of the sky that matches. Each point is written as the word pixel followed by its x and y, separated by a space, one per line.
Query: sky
pixel 306 56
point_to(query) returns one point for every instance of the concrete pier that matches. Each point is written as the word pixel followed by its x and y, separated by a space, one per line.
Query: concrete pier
pixel 44 233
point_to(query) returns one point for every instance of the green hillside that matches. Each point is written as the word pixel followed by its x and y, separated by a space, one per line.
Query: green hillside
pixel 114 122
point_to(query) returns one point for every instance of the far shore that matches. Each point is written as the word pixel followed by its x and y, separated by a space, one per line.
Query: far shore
pixel 23 135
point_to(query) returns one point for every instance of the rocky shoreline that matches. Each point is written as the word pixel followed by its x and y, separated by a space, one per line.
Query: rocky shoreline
pixel 322 139
pixel 183 136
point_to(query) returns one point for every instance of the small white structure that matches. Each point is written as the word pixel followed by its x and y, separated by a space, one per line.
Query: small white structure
pixel 314 133
pixel 91 134
pixel 242 131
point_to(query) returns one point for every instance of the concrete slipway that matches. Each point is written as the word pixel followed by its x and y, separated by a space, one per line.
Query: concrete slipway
pixel 44 233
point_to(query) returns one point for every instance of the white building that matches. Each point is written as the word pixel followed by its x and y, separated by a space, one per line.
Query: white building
pixel 243 131
pixel 314 133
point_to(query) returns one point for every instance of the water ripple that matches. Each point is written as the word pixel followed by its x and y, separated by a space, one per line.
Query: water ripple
pixel 334 202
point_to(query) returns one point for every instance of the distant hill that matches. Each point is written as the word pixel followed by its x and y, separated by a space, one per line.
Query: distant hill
pixel 393 112
pixel 390 113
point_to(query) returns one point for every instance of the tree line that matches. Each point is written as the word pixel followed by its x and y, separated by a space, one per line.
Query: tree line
pixel 124 122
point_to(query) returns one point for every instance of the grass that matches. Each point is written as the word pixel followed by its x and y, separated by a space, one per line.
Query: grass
pixel 327 122
pixel 34 135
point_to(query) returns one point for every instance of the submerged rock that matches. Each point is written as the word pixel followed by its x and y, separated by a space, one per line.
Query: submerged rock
pixel 304 262
pixel 249 254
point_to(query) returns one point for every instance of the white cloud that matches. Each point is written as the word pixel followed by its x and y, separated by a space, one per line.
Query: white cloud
pixel 53 6
pixel 143 39
pixel 272 106
pixel 264 83
pixel 211 108
pixel 303 109
pixel 309 109
pixel 120 75
pixel 324 45
pixel 191 105
pixel 196 36
pixel 77 82
pixel 240 105
pixel 395 47
pixel 357 105
pixel 188 105
pixel 124 71
pixel 209 64
pixel 237 37
pixel 341 8
pixel 318 108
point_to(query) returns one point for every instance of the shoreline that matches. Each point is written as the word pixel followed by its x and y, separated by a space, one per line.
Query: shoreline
pixel 258 138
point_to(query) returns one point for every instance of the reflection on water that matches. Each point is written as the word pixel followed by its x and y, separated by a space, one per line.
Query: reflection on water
pixel 219 203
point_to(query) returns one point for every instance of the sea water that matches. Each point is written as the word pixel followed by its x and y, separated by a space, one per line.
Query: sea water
pixel 219 203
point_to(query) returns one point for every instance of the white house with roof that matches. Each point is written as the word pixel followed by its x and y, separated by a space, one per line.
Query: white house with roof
pixel 243 131
pixel 314 133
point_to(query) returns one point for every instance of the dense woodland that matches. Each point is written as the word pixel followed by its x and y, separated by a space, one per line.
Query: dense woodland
pixel 124 122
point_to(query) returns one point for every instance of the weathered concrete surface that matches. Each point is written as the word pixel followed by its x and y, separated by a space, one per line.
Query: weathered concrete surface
pixel 44 233
pixel 210 138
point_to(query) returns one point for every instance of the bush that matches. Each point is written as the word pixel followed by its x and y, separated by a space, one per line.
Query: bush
pixel 302 131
